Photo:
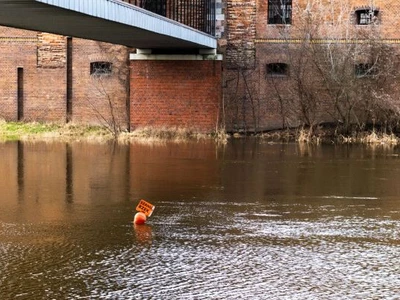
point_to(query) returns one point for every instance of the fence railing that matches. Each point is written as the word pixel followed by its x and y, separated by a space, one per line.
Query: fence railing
pixel 198 14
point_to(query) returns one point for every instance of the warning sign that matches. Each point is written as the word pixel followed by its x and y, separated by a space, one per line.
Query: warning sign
pixel 145 207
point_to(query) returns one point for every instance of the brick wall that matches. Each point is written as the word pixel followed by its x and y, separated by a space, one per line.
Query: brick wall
pixel 92 95
pixel 388 17
pixel 240 33
pixel 250 96
pixel 175 94
pixel 44 88
pixel 51 51
pixel 43 59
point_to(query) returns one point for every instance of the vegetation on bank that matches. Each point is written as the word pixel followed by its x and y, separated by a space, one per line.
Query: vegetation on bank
pixel 331 136
pixel 10 131
pixel 48 131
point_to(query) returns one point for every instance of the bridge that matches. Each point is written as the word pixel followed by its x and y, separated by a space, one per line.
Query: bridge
pixel 175 74
pixel 113 21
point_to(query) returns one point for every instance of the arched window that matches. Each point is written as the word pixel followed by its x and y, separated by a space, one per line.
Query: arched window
pixel 100 68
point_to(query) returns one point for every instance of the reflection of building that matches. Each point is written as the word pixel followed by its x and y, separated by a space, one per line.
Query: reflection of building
pixel 47 77
pixel 55 175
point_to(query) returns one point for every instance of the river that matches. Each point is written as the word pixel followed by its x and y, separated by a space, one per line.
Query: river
pixel 246 220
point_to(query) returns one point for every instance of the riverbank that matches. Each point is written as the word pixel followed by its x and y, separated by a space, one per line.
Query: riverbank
pixel 71 132
pixel 330 136
pixel 10 131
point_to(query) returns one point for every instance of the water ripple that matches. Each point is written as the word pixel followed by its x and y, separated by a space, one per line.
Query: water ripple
pixel 224 251
pixel 256 258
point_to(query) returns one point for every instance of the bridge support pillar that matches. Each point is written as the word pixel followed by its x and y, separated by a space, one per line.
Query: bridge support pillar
pixel 176 91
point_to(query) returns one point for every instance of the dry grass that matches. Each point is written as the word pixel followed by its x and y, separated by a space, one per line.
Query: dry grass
pixel 279 136
pixel 172 134
pixel 159 135
pixel 370 138
pixel 74 132
pixel 307 137
pixel 329 136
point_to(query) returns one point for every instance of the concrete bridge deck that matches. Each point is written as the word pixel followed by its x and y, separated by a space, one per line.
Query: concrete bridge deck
pixel 110 21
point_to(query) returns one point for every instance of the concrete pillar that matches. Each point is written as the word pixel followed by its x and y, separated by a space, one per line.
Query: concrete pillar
pixel 175 91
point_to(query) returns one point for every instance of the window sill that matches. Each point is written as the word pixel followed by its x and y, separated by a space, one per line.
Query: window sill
pixel 280 77
pixel 279 25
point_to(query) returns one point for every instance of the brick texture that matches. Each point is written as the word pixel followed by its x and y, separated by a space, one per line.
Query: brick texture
pixel 44 89
pixel 171 93
pixel 250 96
pixel 51 51
pixel 175 94
pixel 240 33
pixel 100 99
pixel 43 58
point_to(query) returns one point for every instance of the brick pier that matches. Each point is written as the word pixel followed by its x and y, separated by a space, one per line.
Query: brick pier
pixel 175 91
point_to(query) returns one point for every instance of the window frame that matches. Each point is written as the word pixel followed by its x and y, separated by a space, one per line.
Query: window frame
pixel 366 16
pixel 365 70
pixel 101 68
pixel 277 70
pixel 279 12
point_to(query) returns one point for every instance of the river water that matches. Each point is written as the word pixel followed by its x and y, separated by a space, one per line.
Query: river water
pixel 247 220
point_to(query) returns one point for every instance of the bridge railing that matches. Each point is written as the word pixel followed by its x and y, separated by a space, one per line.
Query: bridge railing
pixel 198 14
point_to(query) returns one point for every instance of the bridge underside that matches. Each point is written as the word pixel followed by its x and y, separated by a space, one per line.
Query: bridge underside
pixel 110 21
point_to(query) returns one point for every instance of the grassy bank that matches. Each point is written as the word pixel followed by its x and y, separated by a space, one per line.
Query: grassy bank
pixel 68 132
pixel 47 131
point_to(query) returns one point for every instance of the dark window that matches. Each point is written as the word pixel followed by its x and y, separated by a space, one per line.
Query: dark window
pixel 366 16
pixel 362 70
pixel 277 70
pixel 99 68
pixel 279 11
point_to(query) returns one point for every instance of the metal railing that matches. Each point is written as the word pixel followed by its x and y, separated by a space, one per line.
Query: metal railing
pixel 198 14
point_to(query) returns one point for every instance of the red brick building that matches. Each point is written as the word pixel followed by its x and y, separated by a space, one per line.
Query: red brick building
pixel 52 78
pixel 46 77
pixel 277 62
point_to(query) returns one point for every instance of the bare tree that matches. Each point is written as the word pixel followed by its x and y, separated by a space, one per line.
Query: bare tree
pixel 339 72
pixel 242 83
pixel 109 83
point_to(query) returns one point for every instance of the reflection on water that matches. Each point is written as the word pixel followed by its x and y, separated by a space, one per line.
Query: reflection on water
pixel 246 220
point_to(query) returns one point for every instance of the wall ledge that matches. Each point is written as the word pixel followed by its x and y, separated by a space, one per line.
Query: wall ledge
pixel 189 57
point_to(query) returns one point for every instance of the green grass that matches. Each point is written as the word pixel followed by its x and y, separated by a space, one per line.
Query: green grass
pixel 10 131
pixel 20 128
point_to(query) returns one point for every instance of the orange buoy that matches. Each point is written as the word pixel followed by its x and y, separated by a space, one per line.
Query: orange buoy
pixel 140 218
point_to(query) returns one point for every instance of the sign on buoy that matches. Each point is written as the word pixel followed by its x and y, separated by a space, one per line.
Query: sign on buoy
pixel 145 207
